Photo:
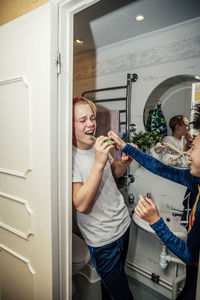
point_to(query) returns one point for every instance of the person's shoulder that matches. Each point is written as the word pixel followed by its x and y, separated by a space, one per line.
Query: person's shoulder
pixel 168 138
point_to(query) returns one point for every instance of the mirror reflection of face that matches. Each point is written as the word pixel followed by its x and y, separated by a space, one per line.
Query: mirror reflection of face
pixel 194 157
pixel 183 129
pixel 84 121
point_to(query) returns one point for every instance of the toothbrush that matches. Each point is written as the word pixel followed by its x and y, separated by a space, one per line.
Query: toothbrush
pixel 108 141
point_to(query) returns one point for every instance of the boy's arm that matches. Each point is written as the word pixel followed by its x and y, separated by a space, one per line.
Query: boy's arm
pixel 83 194
pixel 119 167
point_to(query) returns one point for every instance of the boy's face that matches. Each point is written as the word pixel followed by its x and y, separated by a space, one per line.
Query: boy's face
pixel 84 122
pixel 183 129
pixel 194 157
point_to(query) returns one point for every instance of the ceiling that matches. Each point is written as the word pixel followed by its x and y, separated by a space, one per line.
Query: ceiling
pixel 111 21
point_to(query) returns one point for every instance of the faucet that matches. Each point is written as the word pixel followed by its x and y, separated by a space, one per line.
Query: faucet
pixel 128 179
pixel 131 198
pixel 125 180
pixel 177 212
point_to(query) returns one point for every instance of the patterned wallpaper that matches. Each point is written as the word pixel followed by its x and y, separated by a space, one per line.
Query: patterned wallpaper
pixel 189 48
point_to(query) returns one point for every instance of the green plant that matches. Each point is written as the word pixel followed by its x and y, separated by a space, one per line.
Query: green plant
pixel 145 140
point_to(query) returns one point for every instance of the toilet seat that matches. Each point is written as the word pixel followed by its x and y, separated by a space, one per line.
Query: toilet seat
pixel 80 251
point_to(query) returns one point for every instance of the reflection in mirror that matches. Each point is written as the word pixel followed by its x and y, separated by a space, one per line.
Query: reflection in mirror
pixel 175 97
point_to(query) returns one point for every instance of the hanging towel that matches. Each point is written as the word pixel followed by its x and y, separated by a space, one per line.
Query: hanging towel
pixel 108 120
pixel 156 121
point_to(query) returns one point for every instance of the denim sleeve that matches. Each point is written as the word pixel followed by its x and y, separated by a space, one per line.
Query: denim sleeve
pixel 179 247
pixel 181 176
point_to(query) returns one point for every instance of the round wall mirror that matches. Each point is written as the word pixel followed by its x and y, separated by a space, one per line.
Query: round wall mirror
pixel 174 95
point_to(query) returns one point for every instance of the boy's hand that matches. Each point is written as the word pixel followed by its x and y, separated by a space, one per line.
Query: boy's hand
pixel 147 210
pixel 126 159
pixel 101 149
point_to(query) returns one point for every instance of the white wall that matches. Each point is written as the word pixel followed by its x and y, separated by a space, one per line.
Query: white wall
pixel 154 57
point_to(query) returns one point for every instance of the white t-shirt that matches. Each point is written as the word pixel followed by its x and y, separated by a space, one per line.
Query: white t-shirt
pixel 108 218
pixel 174 141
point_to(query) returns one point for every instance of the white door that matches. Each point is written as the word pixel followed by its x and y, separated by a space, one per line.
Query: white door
pixel 26 164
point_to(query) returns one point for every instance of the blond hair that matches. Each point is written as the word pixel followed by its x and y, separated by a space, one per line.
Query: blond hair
pixel 83 100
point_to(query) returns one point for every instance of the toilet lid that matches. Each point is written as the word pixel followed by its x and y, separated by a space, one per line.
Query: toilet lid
pixel 80 251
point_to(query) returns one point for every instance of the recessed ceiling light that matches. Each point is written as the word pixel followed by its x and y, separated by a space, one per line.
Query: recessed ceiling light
pixel 139 18
pixel 79 41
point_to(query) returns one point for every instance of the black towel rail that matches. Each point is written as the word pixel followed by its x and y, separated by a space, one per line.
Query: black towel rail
pixel 130 78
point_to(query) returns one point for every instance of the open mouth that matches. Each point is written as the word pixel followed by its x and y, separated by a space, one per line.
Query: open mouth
pixel 91 132
pixel 190 163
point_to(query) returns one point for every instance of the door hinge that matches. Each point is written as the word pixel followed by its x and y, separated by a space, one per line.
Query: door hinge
pixel 58 63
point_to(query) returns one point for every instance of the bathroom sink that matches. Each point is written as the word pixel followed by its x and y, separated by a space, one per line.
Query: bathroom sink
pixel 172 223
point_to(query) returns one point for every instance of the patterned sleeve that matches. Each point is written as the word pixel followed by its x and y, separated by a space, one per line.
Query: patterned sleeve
pixel 180 248
pixel 155 166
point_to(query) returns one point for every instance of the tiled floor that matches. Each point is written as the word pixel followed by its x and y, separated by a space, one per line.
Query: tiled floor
pixel 92 291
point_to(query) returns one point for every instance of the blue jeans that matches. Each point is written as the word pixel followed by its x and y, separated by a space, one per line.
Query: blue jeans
pixel 109 262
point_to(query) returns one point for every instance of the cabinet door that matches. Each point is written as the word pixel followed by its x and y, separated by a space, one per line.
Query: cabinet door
pixel 25 158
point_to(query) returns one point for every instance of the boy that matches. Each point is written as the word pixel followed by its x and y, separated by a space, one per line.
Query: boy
pixel 102 215
pixel 180 129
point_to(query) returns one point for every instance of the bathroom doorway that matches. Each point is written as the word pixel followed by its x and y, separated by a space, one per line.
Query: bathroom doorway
pixel 93 64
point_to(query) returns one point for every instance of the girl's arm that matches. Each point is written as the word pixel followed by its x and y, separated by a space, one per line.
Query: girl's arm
pixel 187 252
pixel 157 167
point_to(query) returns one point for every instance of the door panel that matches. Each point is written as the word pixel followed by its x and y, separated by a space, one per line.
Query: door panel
pixel 25 158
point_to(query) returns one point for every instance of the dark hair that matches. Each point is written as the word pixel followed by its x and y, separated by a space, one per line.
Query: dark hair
pixel 196 117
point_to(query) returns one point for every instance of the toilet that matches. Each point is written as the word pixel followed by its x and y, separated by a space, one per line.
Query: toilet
pixel 80 256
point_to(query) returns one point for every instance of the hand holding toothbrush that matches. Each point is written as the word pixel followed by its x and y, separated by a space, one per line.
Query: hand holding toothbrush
pixel 102 148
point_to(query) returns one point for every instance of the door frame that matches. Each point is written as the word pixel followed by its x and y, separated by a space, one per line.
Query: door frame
pixel 66 11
